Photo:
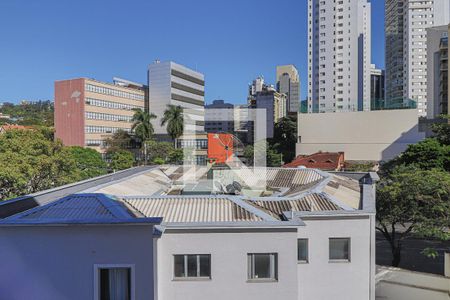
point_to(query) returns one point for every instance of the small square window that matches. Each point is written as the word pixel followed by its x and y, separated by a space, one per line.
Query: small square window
pixel 262 266
pixel 302 250
pixel 339 249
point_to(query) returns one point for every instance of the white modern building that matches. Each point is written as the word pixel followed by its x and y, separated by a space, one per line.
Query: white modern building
pixel 406 48
pixel 174 84
pixel 339 55
pixel 288 82
pixel 142 234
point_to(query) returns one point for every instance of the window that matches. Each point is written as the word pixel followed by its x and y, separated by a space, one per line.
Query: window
pixel 192 266
pixel 263 266
pixel 339 249
pixel 114 282
pixel 302 250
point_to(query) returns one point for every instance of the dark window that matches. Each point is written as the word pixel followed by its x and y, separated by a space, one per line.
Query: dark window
pixel 340 249
pixel 302 250
pixel 262 266
pixel 192 266
pixel 115 283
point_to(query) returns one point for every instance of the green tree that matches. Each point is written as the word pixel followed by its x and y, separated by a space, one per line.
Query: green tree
pixel 142 125
pixel 176 157
pixel 30 113
pixel 426 155
pixel 442 130
pixel 159 150
pixel 31 163
pixel 120 140
pixel 89 163
pixel 285 137
pixel 413 201
pixel 273 158
pixel 173 117
pixel 121 160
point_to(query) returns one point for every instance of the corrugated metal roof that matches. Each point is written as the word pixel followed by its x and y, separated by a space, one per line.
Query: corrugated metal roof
pixel 294 180
pixel 78 207
pixel 192 209
pixel 148 183
pixel 346 190
pixel 309 202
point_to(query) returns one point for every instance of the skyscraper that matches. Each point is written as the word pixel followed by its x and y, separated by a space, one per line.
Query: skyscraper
pixel 339 53
pixel 288 82
pixel 406 48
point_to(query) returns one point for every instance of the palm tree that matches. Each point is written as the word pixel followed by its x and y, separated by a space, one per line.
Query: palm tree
pixel 173 117
pixel 142 125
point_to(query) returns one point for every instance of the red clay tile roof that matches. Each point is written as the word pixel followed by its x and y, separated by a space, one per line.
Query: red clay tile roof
pixel 320 160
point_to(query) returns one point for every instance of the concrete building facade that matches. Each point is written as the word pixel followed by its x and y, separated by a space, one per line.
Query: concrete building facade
pixel 339 55
pixel 174 84
pixel 406 49
pixel 275 105
pixel 88 111
pixel 288 82
pixel 219 117
pixel 437 71
pixel 360 135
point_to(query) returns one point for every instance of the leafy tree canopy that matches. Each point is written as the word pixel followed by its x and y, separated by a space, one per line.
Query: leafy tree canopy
pixel 30 113
pixel 89 163
pixel 273 158
pixel 285 137
pixel 411 200
pixel 442 130
pixel 31 163
pixel 121 160
pixel 426 155
pixel 120 140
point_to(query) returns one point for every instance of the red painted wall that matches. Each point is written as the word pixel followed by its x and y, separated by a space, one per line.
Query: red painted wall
pixel 69 111
pixel 217 150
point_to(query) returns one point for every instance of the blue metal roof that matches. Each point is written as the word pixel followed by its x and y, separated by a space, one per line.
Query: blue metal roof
pixel 79 209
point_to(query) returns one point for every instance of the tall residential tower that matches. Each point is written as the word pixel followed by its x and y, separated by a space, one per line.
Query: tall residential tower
pixel 288 82
pixel 406 48
pixel 339 54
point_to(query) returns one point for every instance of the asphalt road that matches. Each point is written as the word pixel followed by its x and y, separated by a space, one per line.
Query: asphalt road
pixel 412 258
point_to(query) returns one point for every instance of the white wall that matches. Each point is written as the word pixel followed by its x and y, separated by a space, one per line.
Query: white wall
pixel 374 135
pixel 57 263
pixel 228 265
pixel 323 280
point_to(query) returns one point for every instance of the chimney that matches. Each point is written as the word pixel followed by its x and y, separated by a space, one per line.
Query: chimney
pixel 447 264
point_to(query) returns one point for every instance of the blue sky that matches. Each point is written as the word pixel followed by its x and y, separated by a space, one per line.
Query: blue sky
pixel 231 41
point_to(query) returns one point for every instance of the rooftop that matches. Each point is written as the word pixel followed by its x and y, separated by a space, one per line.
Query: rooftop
pixel 146 194
pixel 78 209
pixel 327 161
